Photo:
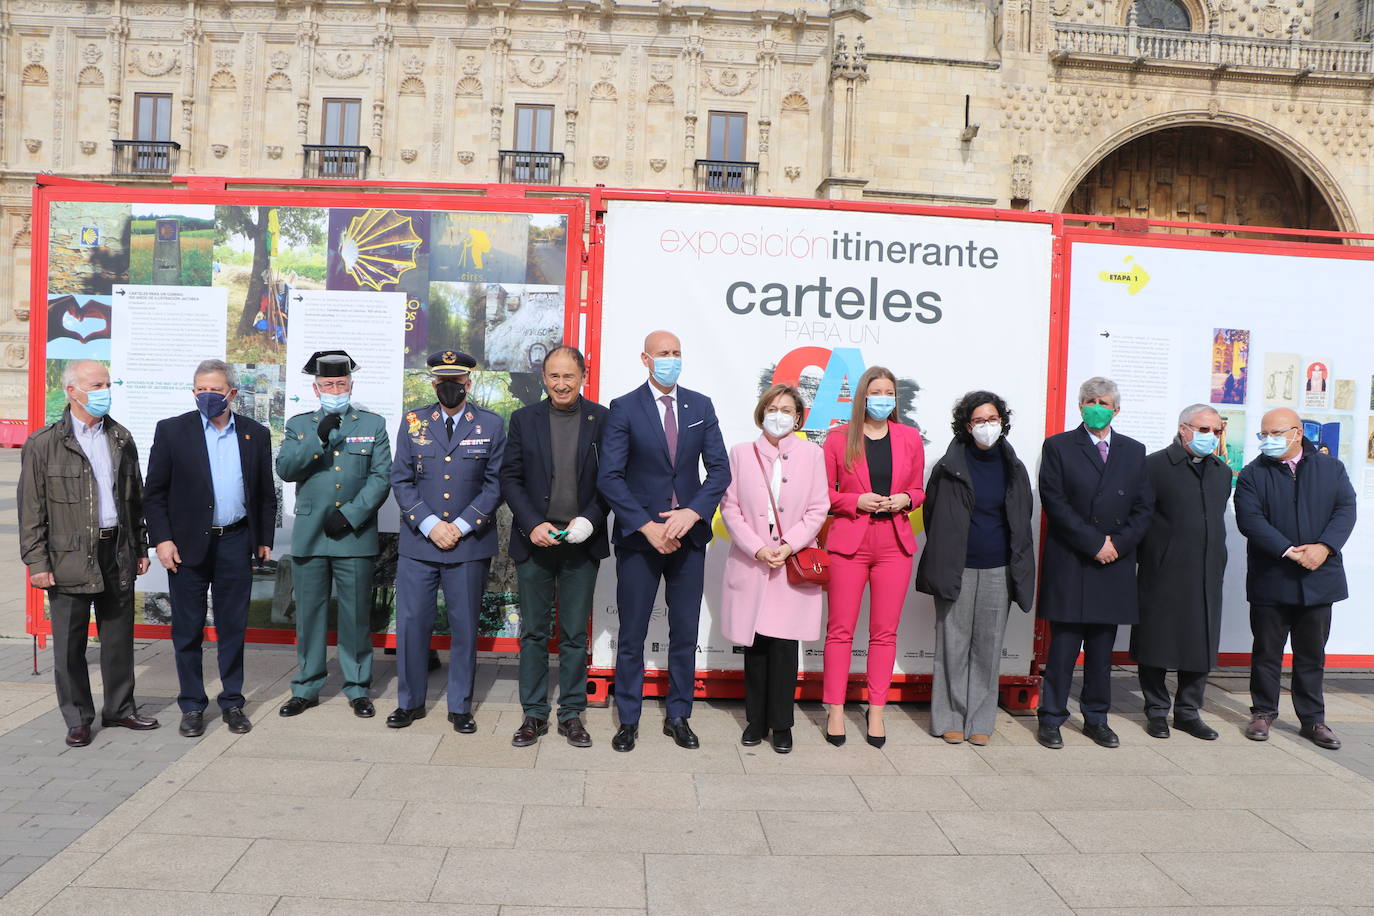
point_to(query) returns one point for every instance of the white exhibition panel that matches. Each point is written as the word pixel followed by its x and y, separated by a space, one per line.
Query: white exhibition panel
pixel 822 295
pixel 1149 318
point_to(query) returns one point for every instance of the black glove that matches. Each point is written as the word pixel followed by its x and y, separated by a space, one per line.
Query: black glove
pixel 328 425
pixel 336 524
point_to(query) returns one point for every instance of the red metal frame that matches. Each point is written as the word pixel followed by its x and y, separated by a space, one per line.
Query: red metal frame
pixel 486 198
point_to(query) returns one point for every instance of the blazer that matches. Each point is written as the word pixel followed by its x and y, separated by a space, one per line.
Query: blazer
pixel 1084 501
pixel 638 477
pixel 451 479
pixel 757 599
pixel 848 484
pixel 179 496
pixel 1276 510
pixel 527 475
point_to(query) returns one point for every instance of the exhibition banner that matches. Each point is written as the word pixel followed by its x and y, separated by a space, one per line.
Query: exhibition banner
pixel 1244 329
pixel 152 282
pixel 812 297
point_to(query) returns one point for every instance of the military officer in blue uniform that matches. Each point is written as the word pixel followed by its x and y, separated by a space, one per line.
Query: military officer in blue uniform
pixel 446 476
pixel 339 458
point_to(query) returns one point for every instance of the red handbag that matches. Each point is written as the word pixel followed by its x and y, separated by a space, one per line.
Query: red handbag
pixel 809 566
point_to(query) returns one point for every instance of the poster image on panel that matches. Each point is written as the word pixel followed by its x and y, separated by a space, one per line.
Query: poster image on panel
pixel 78 326
pixel 1369 442
pixel 1231 448
pixel 1345 394
pixel 386 250
pixel 1230 365
pixel 1317 384
pixel 481 247
pixel 171 244
pixel 1282 379
pixel 262 254
pixel 88 247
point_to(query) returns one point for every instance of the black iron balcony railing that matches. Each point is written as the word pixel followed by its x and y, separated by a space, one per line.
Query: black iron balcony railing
pixel 528 167
pixel 729 177
pixel 145 157
pixel 328 161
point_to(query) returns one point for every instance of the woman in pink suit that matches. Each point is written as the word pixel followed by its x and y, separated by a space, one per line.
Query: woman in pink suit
pixel 874 467
pixel 760 609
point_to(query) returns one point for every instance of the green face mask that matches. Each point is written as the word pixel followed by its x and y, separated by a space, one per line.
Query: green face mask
pixel 1095 416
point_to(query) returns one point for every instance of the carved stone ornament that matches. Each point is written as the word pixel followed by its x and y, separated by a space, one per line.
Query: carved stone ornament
pixel 408 155
pixel 219 149
pixel 413 65
pixel 34 54
pixel 1021 177
pixel 658 165
pixel 32 145
pixel 34 75
pixel 603 91
pixel 660 92
pixel 469 86
pixel 793 172
pixel 1271 19
pixel 343 65
pixel 471 66
pixel 465 156
pixel 155 62
pixel 91 54
pixel 90 76
pixel 16 355
pixel 280 60
pixel 728 82
pixel 224 57
pixel 274 152
pixel 537 72
pixel 601 161
pixel 795 101
pixel 661 72
pixel 223 79
pixel 87 147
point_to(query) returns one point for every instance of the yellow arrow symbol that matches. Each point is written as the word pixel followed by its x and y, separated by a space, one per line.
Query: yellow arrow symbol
pixel 1135 278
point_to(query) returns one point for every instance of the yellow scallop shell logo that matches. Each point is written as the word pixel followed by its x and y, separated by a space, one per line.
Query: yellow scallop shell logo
pixel 378 246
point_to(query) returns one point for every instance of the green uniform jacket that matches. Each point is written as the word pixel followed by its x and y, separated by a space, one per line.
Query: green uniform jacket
pixel 351 474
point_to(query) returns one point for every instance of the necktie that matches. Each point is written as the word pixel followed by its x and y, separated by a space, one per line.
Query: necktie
pixel 1102 449
pixel 1292 464
pixel 670 433
pixel 448 425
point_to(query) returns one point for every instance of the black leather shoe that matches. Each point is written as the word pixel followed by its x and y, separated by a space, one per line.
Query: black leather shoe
pixel 781 739
pixel 236 720
pixel 833 740
pixel 78 736
pixel 192 724
pixel 1157 727
pixel 753 735
pixel 529 731
pixel 362 707
pixel 1048 736
pixel 575 732
pixel 295 706
pixel 132 720
pixel 1197 728
pixel 1102 735
pixel 1321 736
pixel 625 738
pixel 402 718
pixel 681 733
pixel 464 723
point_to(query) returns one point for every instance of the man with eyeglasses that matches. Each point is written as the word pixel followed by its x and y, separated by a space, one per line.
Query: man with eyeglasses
pixel 1296 508
pixel 1182 559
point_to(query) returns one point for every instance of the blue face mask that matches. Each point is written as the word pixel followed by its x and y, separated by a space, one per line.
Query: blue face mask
pixel 1203 444
pixel 98 402
pixel 333 403
pixel 667 369
pixel 1274 446
pixel 880 406
pixel 211 404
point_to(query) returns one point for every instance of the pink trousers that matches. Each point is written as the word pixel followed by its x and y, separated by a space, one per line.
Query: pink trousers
pixel 881 564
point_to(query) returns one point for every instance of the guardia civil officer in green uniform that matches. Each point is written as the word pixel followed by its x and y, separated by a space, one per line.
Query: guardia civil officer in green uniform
pixel 339 457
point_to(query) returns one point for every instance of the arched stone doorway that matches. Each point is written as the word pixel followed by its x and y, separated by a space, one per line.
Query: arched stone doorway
pixel 1202 174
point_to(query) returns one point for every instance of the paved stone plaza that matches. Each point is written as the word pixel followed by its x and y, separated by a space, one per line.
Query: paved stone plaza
pixel 326 813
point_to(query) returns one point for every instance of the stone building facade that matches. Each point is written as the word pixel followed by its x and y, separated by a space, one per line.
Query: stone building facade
pixel 1250 111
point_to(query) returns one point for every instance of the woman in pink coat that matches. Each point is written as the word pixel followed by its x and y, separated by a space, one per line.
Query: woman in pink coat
pixel 760 609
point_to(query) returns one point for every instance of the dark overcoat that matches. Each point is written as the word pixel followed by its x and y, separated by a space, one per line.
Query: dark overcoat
pixel 1084 501
pixel 1181 562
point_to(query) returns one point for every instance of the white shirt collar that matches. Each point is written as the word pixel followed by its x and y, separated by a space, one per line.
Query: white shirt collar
pixel 1095 438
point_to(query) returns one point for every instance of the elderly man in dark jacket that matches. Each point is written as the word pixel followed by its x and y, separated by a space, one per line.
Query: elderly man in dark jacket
pixel 1296 508
pixel 1181 562
pixel 1097 499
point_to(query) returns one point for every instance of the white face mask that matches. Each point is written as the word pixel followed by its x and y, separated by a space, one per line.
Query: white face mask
pixel 987 434
pixel 778 424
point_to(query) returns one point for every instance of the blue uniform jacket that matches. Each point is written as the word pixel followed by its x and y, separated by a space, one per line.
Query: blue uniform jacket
pixel 449 479
pixel 638 479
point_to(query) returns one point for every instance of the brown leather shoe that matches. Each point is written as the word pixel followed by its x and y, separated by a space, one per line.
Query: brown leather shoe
pixel 134 721
pixel 79 736
pixel 529 731
pixel 574 731
pixel 1321 736
pixel 980 740
pixel 1258 729
pixel 953 737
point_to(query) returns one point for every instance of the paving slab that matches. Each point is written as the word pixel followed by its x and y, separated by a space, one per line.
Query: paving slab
pixel 641 831
pixel 534 877
pixel 778 793
pixel 154 861
pixel 1317 878
pixel 350 871
pixel 1000 832
pixel 1170 831
pixel 441 822
pixel 282 817
pixel 844 833
pixel 418 782
pixel 84 901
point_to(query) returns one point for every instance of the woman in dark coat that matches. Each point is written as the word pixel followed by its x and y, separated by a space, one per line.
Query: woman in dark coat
pixel 1182 559
pixel 979 558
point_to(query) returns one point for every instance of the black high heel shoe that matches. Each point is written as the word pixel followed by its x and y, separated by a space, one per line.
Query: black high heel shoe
pixel 832 740
pixel 874 740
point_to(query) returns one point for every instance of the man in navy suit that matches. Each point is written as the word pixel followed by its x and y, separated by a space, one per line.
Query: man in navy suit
pixel 446 478
pixel 557 540
pixel 657 438
pixel 1097 498
pixel 211 505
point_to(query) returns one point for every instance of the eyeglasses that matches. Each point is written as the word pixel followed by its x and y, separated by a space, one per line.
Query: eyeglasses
pixel 1207 429
pixel 1261 436
pixel 985 421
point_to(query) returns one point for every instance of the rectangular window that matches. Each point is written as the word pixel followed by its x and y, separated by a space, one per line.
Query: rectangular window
pixel 152 116
pixel 341 122
pixel 725 136
pixel 534 128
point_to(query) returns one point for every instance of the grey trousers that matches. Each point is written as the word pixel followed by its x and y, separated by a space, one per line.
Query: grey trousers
pixel 968 654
